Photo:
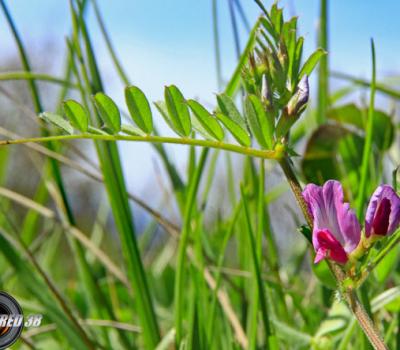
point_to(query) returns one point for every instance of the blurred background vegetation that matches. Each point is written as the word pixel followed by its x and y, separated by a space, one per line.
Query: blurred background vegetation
pixel 67 233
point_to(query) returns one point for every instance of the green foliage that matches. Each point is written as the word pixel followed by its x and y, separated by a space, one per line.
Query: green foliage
pixel 238 132
pixel 261 126
pixel 232 274
pixel 178 111
pixel 311 62
pixel 206 120
pixel 108 111
pixel 77 115
pixel 58 121
pixel 139 108
pixel 333 149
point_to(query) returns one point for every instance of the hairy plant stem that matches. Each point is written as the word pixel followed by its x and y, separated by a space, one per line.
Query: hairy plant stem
pixel 266 154
pixel 349 294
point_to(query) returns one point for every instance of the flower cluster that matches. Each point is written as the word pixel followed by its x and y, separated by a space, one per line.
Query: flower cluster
pixel 337 233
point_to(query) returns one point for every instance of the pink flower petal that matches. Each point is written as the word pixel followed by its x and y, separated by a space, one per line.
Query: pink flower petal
pixel 329 247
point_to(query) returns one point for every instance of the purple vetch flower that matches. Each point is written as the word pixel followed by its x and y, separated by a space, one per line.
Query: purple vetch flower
pixel 383 212
pixel 336 230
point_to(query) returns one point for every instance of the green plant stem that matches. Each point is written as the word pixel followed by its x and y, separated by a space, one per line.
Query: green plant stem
pixel 365 83
pixel 234 28
pixel 29 76
pixel 120 70
pixel 265 154
pixel 365 272
pixel 323 74
pixel 269 332
pixel 296 189
pixel 368 139
pixel 234 82
pixel 349 294
pixel 365 167
pixel 217 51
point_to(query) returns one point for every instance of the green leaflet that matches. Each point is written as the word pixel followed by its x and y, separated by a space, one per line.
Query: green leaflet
pixel 57 120
pixel 108 111
pixel 177 110
pixel 77 115
pixel 277 18
pixel 162 108
pixel 311 62
pixel 240 134
pixel 139 108
pixel 206 120
pixel 261 126
pixel 296 63
pixel 227 107
pixel 269 28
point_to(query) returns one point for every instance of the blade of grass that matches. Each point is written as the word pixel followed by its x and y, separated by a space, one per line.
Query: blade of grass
pixel 74 231
pixel 65 318
pixel 30 76
pixel 92 292
pixel 235 30
pixel 242 15
pixel 253 326
pixel 323 72
pixel 233 84
pixel 217 45
pixel 270 337
pixel 174 231
pixel 220 261
pixel 200 298
pixel 117 194
pixel 365 83
pixel 367 152
pixel 120 70
pixel 193 340
pixel 179 291
pixel 176 181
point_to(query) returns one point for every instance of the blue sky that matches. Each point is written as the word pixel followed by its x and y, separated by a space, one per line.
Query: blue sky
pixel 173 38
pixel 170 41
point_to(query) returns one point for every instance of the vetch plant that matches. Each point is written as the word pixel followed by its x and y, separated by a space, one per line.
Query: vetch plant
pixel 218 283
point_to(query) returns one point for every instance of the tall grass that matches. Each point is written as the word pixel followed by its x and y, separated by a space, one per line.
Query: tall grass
pixel 232 272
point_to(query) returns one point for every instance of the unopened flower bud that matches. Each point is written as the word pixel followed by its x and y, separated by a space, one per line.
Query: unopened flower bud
pixel 299 100
pixel 294 108
pixel 383 213
pixel 265 96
